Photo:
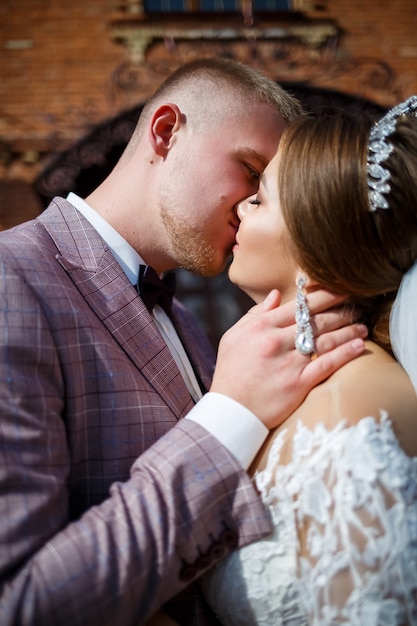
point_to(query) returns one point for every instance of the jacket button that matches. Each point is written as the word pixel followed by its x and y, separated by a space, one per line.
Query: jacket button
pixel 204 561
pixel 188 572
pixel 229 538
pixel 216 551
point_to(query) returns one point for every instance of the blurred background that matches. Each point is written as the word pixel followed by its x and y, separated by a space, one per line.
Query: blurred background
pixel 74 75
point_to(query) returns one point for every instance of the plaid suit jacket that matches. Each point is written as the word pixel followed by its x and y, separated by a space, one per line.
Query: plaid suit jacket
pixel 109 503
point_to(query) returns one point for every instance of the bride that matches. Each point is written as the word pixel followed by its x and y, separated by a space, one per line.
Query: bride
pixel 336 207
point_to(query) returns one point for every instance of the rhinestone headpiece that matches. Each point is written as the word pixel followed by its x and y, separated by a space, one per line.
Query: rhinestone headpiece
pixel 379 150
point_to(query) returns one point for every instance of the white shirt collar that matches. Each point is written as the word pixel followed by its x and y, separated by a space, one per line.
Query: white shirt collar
pixel 123 252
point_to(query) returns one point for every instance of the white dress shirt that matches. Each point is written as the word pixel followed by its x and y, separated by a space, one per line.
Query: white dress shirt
pixel 237 428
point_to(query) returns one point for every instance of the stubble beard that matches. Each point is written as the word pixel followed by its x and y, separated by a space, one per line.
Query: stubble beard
pixel 189 247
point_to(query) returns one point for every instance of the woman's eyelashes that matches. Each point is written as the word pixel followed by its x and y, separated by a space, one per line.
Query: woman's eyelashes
pixel 254 201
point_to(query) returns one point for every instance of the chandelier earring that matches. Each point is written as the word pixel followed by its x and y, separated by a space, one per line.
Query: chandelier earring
pixel 304 338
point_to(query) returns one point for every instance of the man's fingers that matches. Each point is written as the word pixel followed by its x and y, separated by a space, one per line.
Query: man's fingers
pixel 332 339
pixel 333 319
pixel 272 301
pixel 326 309
pixel 331 328
pixel 318 370
pixel 322 300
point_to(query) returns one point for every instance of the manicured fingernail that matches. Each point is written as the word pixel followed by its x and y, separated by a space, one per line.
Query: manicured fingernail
pixel 357 345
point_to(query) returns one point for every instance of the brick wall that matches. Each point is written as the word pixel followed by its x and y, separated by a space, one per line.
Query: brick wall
pixel 62 72
pixel 383 31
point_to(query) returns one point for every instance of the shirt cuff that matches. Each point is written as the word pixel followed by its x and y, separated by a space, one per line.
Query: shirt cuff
pixel 237 428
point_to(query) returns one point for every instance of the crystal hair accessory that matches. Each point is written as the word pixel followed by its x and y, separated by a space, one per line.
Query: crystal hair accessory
pixel 304 338
pixel 379 150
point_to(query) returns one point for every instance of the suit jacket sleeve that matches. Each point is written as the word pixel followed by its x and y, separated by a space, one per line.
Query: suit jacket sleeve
pixel 186 503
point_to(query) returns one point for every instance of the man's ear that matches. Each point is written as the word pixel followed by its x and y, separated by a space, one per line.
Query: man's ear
pixel 164 123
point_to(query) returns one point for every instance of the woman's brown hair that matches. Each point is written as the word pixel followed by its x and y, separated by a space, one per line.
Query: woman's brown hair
pixel 337 240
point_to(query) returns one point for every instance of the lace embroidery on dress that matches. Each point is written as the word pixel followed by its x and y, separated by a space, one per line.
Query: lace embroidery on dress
pixel 344 546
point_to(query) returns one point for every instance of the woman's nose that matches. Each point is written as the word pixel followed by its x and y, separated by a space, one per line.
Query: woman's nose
pixel 243 208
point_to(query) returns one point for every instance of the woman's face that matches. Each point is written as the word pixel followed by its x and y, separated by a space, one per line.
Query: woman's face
pixel 261 257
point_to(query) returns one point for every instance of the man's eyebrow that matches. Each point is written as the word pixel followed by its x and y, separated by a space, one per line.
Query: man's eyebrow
pixel 250 153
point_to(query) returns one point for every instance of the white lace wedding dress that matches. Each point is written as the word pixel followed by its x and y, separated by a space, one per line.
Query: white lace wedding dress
pixel 344 546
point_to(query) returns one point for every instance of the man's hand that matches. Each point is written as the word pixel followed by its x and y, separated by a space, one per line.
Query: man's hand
pixel 257 362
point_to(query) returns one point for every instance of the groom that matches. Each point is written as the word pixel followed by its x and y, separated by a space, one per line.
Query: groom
pixel 110 502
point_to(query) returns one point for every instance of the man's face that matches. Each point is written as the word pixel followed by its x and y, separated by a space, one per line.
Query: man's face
pixel 210 173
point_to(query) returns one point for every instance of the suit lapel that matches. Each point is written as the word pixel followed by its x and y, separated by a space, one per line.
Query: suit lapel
pixel 103 284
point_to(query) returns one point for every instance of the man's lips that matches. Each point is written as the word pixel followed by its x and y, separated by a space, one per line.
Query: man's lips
pixel 235 226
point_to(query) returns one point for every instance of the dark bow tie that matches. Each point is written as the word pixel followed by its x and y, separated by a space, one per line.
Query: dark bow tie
pixel 154 290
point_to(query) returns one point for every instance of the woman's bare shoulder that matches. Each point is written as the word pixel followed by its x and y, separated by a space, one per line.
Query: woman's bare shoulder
pixel 370 385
